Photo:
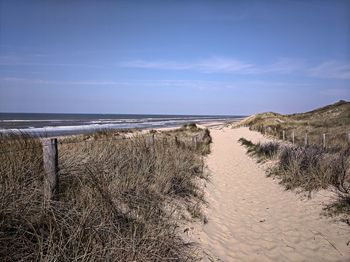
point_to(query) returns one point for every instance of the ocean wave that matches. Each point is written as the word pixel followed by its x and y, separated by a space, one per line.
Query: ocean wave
pixel 81 126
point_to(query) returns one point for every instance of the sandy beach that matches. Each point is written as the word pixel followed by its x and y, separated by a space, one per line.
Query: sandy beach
pixel 252 218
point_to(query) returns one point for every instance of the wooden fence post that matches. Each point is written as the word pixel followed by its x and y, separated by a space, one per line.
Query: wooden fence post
pixel 194 141
pixel 305 141
pixel 150 140
pixel 293 137
pixel 324 140
pixel 50 159
pixel 283 134
pixel 349 137
pixel 176 141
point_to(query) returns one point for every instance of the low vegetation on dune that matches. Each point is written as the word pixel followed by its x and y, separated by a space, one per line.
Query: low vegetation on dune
pixel 262 151
pixel 315 153
pixel 332 120
pixel 120 198
pixel 309 169
pixel 192 134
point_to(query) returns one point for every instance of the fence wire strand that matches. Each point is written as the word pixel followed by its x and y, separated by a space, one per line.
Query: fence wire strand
pixel 61 143
pixel 101 140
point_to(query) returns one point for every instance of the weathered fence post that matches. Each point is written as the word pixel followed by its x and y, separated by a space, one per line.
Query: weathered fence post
pixel 176 141
pixel 305 141
pixel 293 137
pixel 324 140
pixel 50 158
pixel 194 141
pixel 349 137
pixel 283 134
pixel 150 140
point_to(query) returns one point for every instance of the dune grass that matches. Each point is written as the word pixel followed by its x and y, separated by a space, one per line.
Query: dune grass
pixel 121 199
pixel 312 166
pixel 262 151
pixel 309 169
pixel 332 120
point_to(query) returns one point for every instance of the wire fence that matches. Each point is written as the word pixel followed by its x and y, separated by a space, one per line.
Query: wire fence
pixel 37 143
pixel 304 138
pixel 48 150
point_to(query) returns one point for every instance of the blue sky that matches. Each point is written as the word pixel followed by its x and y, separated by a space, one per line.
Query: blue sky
pixel 173 57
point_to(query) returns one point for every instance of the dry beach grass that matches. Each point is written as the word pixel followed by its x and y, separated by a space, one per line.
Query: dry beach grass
pixel 332 120
pixel 121 199
pixel 308 169
pixel 124 197
pixel 312 166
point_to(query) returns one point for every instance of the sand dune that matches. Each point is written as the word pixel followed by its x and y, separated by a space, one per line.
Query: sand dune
pixel 252 218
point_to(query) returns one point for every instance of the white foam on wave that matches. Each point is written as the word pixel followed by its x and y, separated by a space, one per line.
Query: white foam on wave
pixel 76 129
pixel 101 125
pixel 34 120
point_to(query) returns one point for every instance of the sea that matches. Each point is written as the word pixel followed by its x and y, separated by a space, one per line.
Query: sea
pixel 48 124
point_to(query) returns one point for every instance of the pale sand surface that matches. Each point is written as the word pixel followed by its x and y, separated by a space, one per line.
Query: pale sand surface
pixel 252 218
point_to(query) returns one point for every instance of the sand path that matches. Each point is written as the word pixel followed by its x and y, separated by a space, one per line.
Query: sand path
pixel 251 217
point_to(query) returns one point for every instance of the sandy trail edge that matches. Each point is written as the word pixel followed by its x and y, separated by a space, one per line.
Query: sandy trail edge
pixel 251 217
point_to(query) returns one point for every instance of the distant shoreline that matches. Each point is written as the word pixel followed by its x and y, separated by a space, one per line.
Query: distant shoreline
pixel 61 126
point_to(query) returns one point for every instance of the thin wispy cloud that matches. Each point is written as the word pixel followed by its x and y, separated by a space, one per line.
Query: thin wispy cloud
pixel 219 64
pixel 337 92
pixel 210 65
pixel 19 60
pixel 331 69
pixel 29 64
pixel 161 83
pixel 284 66
pixel 54 82
pixel 128 83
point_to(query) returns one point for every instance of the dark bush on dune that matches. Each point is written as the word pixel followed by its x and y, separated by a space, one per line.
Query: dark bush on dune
pixel 265 150
pixel 204 136
pixel 245 142
pixel 190 126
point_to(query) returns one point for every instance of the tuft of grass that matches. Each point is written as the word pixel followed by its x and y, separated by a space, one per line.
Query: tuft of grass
pixel 119 199
pixel 262 151
pixel 245 142
pixel 190 126
pixel 267 150
pixel 313 168
pixel 184 138
pixel 340 208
